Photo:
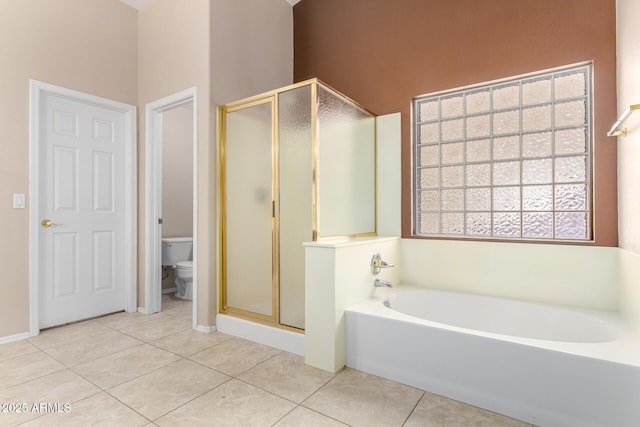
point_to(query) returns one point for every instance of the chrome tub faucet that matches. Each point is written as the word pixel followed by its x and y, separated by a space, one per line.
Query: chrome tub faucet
pixel 379 283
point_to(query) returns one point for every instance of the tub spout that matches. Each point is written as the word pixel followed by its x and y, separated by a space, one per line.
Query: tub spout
pixel 379 283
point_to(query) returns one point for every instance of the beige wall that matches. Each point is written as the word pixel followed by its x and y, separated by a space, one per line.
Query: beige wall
pixel 251 48
pixel 174 50
pixel 70 43
pixel 251 53
pixel 629 147
pixel 177 172
pixel 629 159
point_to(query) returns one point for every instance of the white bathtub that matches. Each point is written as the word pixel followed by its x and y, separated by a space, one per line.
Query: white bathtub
pixel 541 364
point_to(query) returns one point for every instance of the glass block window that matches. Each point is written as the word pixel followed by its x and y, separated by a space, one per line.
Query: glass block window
pixel 507 160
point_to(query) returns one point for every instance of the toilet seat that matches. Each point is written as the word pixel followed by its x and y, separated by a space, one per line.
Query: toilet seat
pixel 185 265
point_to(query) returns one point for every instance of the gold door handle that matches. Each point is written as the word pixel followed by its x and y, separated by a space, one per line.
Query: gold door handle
pixel 46 223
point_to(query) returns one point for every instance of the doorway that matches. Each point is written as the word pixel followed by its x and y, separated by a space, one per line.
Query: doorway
pixel 161 115
pixel 82 206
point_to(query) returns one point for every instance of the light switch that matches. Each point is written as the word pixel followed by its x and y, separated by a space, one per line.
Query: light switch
pixel 18 201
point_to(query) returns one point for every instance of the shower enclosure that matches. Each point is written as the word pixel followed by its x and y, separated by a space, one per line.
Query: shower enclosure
pixel 296 165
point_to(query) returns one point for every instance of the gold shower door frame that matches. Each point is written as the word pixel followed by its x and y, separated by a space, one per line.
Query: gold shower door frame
pixel 275 262
pixel 272 98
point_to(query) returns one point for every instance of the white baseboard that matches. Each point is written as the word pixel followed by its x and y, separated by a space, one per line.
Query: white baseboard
pixel 143 310
pixel 206 329
pixel 279 338
pixel 169 291
pixel 12 338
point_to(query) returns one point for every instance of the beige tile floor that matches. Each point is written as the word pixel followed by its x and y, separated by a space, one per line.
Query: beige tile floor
pixel 130 369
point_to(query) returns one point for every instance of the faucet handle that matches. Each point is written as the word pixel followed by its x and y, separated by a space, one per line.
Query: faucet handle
pixel 377 264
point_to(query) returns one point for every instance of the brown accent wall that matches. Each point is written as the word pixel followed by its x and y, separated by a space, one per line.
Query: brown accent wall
pixel 382 53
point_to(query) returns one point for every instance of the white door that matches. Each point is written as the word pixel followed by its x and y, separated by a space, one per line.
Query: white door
pixel 82 212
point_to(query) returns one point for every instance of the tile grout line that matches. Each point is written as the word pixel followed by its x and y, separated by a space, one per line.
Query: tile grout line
pixel 414 407
pixel 40 376
pixel 194 398
pixel 92 360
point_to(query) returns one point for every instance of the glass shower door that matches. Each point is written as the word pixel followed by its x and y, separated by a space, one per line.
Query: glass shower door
pixel 295 184
pixel 248 194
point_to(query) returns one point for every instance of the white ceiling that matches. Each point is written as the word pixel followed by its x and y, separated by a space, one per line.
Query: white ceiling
pixel 139 3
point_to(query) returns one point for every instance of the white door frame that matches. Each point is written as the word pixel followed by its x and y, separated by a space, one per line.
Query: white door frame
pixel 37 90
pixel 153 198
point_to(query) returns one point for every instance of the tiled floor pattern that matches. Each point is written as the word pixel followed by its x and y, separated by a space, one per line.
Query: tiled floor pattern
pixel 144 370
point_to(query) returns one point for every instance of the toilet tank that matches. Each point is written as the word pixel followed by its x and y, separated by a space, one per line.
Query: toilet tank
pixel 176 249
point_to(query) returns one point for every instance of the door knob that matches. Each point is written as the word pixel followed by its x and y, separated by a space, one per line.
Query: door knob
pixel 46 223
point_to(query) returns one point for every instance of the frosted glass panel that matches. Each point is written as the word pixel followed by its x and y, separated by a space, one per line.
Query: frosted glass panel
pixel 429 133
pixel 506 96
pixel 346 167
pixel 478 151
pixel 571 169
pixel 537 224
pixel 506 199
pixel 452 129
pixel 478 102
pixel 429 223
pixel 537 198
pixel 571 141
pixel 478 199
pixel 537 171
pixel 452 223
pixel 429 200
pixel 570 85
pixel 536 144
pixel 506 173
pixel 506 148
pixel 452 200
pixel 429 178
pixel 536 118
pixel 506 224
pixel 296 202
pixel 452 153
pixel 507 122
pixel 429 111
pixel 479 224
pixel 571 225
pixel 429 155
pixel 478 126
pixel 248 209
pixel 536 91
pixel 453 176
pixel 452 106
pixel 571 113
pixel 571 197
pixel 479 175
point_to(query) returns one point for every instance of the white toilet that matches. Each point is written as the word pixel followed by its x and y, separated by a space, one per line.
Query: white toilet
pixel 177 253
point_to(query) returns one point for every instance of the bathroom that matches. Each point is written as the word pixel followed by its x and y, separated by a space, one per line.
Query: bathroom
pixel 602 276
